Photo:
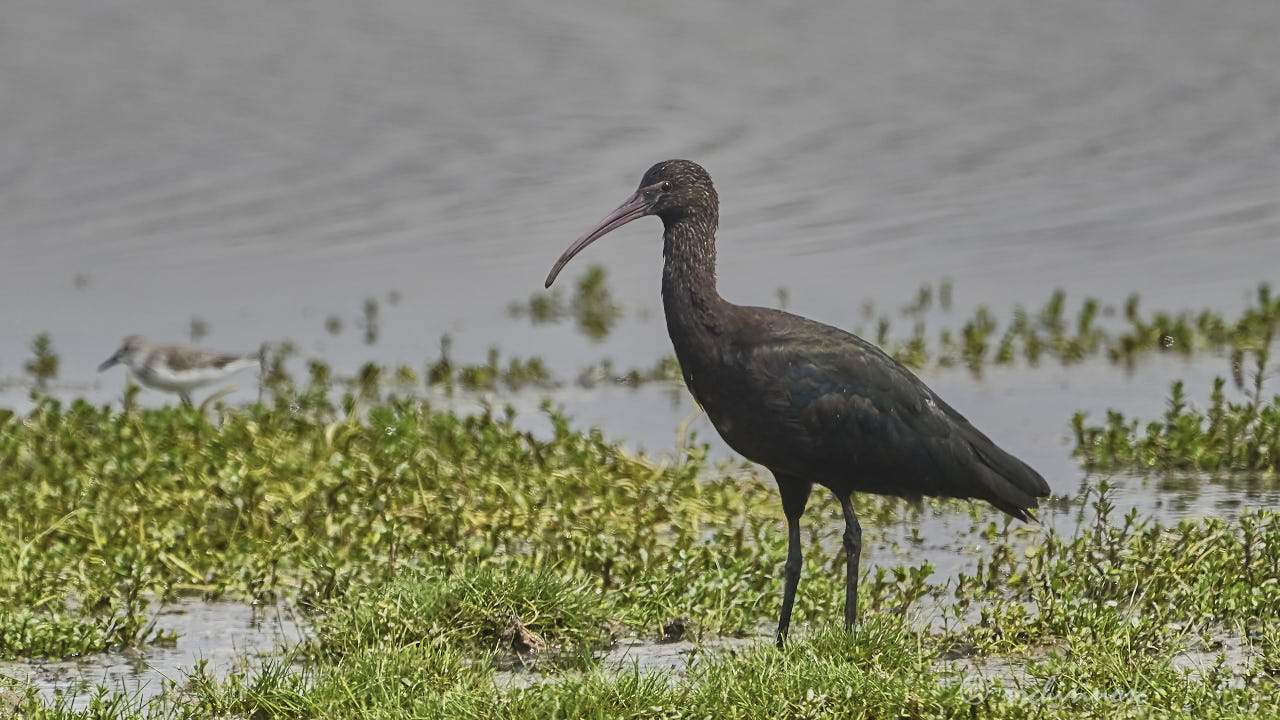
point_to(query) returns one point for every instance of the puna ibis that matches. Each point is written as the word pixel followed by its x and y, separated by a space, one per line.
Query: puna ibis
pixel 810 402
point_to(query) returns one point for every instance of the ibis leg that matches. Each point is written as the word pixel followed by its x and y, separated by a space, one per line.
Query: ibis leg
pixel 853 553
pixel 186 399
pixel 795 495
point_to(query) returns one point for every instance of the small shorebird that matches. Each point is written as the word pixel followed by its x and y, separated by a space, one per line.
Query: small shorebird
pixel 177 368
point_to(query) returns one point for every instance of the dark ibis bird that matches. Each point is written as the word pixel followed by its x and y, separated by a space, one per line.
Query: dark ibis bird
pixel 810 402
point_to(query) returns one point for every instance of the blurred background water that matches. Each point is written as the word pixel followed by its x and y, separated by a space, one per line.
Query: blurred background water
pixel 264 166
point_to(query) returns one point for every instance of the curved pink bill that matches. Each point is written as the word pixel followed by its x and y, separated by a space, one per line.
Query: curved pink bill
pixel 635 207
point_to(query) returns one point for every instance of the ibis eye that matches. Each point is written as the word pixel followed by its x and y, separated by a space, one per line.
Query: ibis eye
pixel 665 186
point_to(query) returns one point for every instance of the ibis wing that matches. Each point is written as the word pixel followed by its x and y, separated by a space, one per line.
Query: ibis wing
pixel 857 410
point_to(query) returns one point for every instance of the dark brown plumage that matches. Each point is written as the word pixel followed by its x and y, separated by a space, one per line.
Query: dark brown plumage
pixel 812 403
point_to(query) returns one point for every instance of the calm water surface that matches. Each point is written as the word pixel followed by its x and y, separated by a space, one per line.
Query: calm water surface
pixel 225 636
pixel 265 166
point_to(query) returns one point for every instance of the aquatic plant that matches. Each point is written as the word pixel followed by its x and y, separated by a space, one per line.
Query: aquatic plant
pixel 369 323
pixel 149 502
pixel 518 373
pixel 666 369
pixel 44 363
pixel 198 329
pixel 1122 334
pixel 1225 436
pixel 1095 624
pixel 1130 580
pixel 1051 333
pixel 593 308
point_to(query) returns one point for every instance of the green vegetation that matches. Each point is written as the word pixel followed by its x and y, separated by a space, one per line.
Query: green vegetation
pixel 198 330
pixel 980 342
pixel 110 507
pixel 44 362
pixel 455 565
pixel 1121 335
pixel 369 323
pixel 1225 436
pixel 593 309
pixel 667 369
pixel 1138 582
pixel 434 552
pixel 517 374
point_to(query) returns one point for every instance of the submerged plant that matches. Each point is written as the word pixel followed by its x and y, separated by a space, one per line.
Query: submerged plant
pixel 198 330
pixel 517 374
pixel 593 308
pixel 1235 436
pixel 44 362
pixel 370 323
pixel 541 307
pixel 1051 332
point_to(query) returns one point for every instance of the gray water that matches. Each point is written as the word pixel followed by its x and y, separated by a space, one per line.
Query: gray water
pixel 262 166
pixel 225 636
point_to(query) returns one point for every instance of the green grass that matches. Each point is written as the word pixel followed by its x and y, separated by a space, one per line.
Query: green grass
pixel 456 566
pixel 428 548
pixel 1121 333
pixel 886 669
pixel 111 510
pixel 477 609
pixel 1138 583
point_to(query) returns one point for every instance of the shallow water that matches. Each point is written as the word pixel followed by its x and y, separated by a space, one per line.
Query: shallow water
pixel 979 676
pixel 226 636
pixel 265 166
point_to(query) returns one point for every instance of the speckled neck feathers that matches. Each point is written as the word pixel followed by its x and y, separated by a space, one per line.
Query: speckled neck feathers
pixel 689 273
pixel 694 310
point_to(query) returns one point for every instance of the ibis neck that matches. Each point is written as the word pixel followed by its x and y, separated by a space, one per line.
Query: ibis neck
pixel 695 311
pixel 689 271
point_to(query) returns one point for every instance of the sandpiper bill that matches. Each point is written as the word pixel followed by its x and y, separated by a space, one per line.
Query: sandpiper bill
pixel 177 368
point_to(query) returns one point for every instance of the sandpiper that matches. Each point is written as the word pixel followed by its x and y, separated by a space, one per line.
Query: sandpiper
pixel 177 368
